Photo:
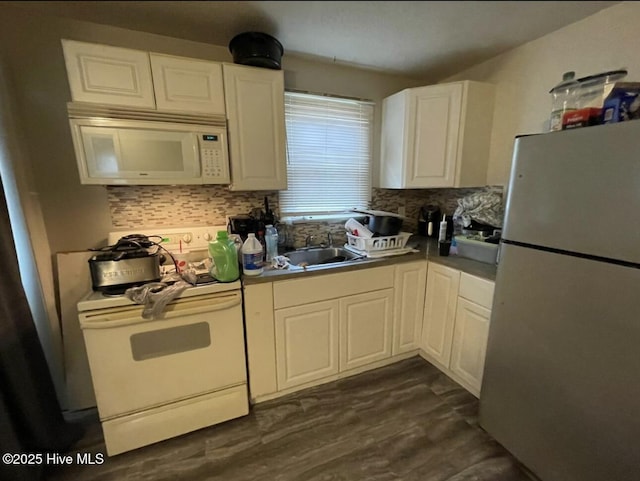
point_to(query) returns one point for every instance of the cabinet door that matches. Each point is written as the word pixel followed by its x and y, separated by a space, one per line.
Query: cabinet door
pixel 365 328
pixel 408 304
pixel 470 343
pixel 254 100
pixel 439 313
pixel 432 142
pixel 187 85
pixel 108 75
pixel 306 343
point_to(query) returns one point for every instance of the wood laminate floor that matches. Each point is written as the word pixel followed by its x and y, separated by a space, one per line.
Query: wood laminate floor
pixel 406 421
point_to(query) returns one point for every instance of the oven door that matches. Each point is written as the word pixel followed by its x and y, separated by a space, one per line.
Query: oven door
pixel 138 363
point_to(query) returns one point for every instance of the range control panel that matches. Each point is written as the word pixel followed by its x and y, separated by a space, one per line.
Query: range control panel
pixel 171 238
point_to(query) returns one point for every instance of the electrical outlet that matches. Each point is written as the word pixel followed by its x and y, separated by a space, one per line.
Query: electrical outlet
pixel 402 210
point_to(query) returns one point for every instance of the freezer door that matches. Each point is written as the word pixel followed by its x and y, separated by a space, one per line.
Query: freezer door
pixel 578 190
pixel 561 385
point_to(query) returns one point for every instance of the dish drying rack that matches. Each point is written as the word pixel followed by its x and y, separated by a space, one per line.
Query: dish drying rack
pixel 379 246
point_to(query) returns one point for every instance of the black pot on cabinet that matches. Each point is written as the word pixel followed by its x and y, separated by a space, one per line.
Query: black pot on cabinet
pixel 256 49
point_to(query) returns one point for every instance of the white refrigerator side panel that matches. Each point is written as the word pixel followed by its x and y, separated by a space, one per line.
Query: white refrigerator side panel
pixel 562 374
pixel 577 190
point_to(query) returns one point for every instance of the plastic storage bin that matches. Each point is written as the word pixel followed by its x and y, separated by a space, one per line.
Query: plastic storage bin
pixel 477 250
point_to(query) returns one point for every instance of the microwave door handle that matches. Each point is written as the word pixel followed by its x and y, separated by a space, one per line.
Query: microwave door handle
pixel 117 146
pixel 129 317
pixel 197 154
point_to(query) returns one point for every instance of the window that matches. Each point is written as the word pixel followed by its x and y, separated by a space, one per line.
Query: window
pixel 329 155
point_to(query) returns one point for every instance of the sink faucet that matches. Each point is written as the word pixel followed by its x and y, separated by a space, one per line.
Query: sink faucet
pixel 308 239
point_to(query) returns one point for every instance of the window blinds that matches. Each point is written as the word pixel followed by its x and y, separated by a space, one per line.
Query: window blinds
pixel 329 154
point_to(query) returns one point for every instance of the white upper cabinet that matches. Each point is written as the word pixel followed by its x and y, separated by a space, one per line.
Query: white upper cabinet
pixel 436 136
pixel 136 79
pixel 187 85
pixel 254 100
pixel 109 75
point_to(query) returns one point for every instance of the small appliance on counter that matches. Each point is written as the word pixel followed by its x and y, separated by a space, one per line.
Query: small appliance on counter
pixel 127 263
pixel 254 222
pixel 429 220
pixel 243 225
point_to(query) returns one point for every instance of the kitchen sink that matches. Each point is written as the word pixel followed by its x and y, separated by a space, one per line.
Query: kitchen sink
pixel 320 256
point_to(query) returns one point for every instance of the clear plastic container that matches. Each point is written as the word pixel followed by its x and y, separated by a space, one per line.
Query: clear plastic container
pixel 225 258
pixel 271 240
pixel 252 256
pixel 564 98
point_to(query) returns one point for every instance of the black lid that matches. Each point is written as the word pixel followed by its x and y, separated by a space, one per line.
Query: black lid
pixel 612 73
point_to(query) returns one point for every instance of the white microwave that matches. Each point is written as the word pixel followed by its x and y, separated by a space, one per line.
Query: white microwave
pixel 134 152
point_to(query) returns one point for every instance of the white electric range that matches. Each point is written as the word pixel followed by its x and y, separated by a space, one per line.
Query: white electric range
pixel 159 378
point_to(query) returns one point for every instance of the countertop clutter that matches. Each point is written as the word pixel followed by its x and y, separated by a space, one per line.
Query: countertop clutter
pixel 427 250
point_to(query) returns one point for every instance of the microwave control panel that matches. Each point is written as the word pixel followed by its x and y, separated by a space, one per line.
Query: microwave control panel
pixel 214 159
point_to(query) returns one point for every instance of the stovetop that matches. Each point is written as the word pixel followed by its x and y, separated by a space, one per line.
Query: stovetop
pixel 194 240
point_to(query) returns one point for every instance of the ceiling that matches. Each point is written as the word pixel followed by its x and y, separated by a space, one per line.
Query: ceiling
pixel 426 39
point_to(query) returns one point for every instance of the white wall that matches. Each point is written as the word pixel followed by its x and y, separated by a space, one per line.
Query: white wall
pixel 523 76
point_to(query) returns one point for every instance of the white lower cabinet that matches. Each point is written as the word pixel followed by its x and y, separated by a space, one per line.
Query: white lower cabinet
pixel 307 343
pixel 408 305
pixel 321 339
pixel 365 328
pixel 439 313
pixel 470 343
pixel 310 330
pixel 456 324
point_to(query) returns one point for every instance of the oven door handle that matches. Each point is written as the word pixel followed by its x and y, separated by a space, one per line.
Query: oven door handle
pixel 132 315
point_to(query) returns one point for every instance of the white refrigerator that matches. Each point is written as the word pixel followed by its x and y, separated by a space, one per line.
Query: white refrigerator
pixel 561 385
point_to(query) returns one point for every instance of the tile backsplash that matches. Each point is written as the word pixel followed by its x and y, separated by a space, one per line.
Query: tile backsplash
pixel 153 206
pixel 413 199
pixel 177 205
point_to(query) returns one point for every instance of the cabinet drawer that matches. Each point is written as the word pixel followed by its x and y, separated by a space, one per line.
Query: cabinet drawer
pixel 476 290
pixel 296 292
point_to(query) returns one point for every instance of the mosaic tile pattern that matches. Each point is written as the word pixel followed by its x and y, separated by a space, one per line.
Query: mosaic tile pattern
pixel 190 205
pixel 413 199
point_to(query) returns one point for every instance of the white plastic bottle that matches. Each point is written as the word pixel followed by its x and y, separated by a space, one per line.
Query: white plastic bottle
pixel 271 240
pixel 442 234
pixel 252 256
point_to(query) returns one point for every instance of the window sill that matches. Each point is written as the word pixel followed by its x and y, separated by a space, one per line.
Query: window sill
pixel 305 219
